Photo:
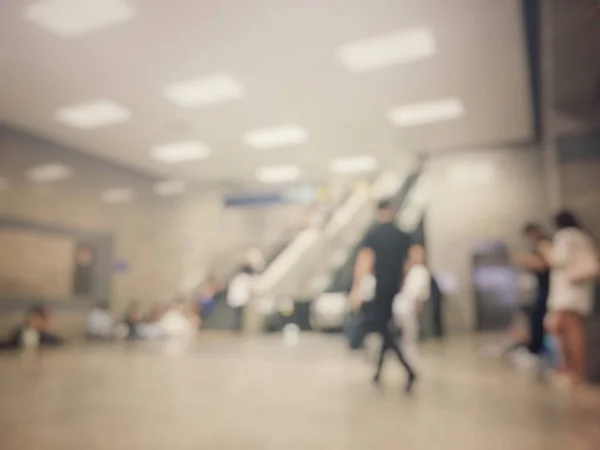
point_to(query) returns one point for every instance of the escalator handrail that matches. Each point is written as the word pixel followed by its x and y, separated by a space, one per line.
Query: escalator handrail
pixel 397 203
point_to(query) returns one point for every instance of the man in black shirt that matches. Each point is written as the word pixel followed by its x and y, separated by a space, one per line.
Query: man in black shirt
pixel 383 253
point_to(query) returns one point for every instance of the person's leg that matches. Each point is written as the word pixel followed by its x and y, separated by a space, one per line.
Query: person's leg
pixel 50 339
pixel 380 360
pixel 559 331
pixel 238 314
pixel 577 346
pixel 390 343
pixel 438 326
pixel 536 322
pixel 410 336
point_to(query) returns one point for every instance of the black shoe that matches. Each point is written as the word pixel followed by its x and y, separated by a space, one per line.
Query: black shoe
pixel 377 380
pixel 410 381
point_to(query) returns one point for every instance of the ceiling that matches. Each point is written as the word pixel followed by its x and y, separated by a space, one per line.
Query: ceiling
pixel 284 53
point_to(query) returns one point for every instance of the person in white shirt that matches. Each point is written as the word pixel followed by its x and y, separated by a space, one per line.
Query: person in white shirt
pixel 239 293
pixel 409 302
pixel 99 324
pixel 570 298
pixel 178 322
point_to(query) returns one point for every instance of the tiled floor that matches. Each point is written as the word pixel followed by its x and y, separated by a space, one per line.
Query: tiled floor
pixel 255 393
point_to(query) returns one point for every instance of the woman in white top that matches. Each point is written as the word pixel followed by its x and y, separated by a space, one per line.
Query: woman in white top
pixel 416 290
pixel 570 299
pixel 239 293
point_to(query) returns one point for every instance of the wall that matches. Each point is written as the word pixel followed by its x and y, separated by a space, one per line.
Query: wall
pixel 569 64
pixel 162 239
pixel 475 196
pixel 39 265
pixel 579 172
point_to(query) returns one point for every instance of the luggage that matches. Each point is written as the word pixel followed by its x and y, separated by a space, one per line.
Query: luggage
pixel 355 330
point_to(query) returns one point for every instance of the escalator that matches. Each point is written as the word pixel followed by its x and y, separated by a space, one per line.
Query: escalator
pixel 222 315
pixel 342 280
pixel 329 309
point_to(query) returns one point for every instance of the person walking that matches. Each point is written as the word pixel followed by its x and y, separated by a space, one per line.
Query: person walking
pixel 383 253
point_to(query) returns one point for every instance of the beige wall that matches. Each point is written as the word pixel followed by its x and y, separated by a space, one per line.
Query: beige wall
pixel 460 213
pixel 163 239
pixel 40 264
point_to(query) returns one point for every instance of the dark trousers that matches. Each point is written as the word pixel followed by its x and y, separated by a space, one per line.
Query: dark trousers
pixel 390 342
pixel 536 318
pixel 437 320
pixel 46 340
pixel 238 319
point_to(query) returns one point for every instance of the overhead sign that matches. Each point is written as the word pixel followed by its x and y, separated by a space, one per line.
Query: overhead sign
pixel 298 195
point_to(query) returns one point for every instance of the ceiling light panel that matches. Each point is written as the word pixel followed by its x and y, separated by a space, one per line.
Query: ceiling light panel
pixel 388 50
pixel 426 112
pixel 70 18
pixel 205 91
pixel 275 137
pixel 354 165
pixel 169 187
pixel 94 114
pixel 278 174
pixel 48 173
pixel 117 195
pixel 180 152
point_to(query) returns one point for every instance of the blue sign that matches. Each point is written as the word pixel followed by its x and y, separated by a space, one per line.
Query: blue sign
pixel 297 195
pixel 121 266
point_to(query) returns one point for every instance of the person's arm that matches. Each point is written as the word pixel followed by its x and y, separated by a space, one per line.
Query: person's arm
pixel 417 286
pixel 531 261
pixel 556 253
pixel 365 262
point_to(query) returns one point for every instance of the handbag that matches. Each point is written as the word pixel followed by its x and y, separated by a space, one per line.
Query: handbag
pixel 355 330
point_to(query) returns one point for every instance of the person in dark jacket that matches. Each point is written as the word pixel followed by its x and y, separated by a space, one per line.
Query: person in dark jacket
pixel 537 265
pixel 383 254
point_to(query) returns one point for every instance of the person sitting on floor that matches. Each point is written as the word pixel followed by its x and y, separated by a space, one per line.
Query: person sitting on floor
pixel 99 324
pixel 178 321
pixel 133 318
pixel 35 332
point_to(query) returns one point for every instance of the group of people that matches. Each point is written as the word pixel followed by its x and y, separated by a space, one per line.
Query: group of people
pixel 391 284
pixel 566 267
pixel 160 321
pixel 175 320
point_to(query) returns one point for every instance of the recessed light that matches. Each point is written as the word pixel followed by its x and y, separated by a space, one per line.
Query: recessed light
pixel 426 112
pixel 278 174
pixel 3 183
pixel 387 50
pixel 205 91
pixel 273 137
pixel 169 187
pixel 178 152
pixel 117 195
pixel 95 114
pixel 48 173
pixel 69 18
pixel 354 164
